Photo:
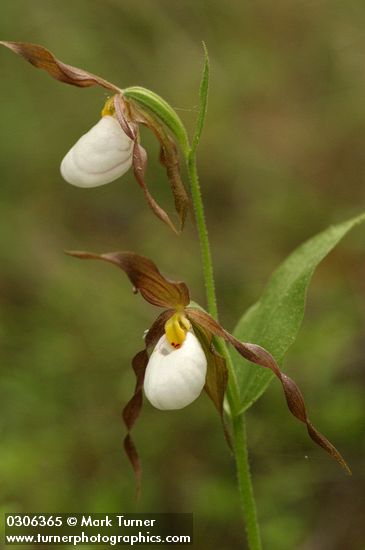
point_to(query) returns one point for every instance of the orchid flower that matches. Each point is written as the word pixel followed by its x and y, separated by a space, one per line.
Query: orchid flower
pixel 111 147
pixel 179 359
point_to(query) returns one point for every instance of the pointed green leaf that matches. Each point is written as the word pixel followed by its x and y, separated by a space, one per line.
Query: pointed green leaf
pixel 274 321
pixel 203 102
pixel 162 110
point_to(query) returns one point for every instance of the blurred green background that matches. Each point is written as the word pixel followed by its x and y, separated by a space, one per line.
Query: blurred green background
pixel 282 157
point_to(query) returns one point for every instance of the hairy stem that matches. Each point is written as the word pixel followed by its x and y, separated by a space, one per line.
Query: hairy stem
pixel 203 237
pixel 237 419
pixel 245 482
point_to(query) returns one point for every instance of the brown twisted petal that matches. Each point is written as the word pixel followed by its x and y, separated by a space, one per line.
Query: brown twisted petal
pixel 139 170
pixel 131 412
pixel 144 276
pixel 217 375
pixel 121 113
pixel 169 158
pixel 258 355
pixel 139 158
pixel 42 58
pixel 133 408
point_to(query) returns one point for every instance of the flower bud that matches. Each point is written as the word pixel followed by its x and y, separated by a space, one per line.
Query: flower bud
pixel 175 377
pixel 100 156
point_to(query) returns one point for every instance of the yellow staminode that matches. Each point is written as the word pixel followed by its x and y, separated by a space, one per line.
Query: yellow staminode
pixel 176 328
pixel 108 109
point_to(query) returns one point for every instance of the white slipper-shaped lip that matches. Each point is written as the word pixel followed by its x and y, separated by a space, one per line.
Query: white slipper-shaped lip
pixel 175 377
pixel 100 156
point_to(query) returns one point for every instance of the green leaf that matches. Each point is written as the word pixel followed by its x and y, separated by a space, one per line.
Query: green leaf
pixel 162 110
pixel 203 102
pixel 274 321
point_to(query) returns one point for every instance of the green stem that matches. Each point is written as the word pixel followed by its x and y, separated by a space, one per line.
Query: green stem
pixel 238 420
pixel 245 482
pixel 232 390
pixel 203 237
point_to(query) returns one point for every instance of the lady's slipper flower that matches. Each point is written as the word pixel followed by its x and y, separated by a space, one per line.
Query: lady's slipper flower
pixel 111 147
pixel 179 358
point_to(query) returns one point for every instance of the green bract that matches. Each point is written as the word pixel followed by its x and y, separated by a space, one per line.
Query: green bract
pixel 163 111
